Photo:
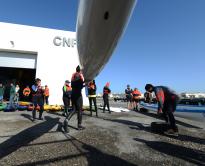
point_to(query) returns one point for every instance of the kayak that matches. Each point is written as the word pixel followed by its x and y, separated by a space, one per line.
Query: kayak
pixel 22 107
pixel 3 106
pixel 9 109
pixel 24 103
pixel 47 107
pixel 56 108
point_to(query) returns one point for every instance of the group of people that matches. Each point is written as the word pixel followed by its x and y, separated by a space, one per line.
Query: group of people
pixel 167 101
pixel 72 96
pixel 132 97
pixel 73 101
pixel 13 93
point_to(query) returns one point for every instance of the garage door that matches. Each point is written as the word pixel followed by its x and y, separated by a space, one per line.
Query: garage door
pixel 18 60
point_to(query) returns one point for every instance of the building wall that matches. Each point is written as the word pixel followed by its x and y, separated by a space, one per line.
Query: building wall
pixel 56 61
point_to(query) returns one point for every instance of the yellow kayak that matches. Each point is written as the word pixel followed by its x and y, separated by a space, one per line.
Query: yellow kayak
pixel 56 108
pixel 47 107
pixel 24 103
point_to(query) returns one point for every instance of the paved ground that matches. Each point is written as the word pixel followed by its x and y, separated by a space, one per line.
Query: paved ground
pixel 116 139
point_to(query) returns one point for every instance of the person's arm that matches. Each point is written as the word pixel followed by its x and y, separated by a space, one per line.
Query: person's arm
pixel 160 99
pixel 34 88
pixel 24 91
pixel 109 90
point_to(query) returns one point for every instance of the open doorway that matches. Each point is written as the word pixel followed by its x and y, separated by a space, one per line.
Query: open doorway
pixel 20 76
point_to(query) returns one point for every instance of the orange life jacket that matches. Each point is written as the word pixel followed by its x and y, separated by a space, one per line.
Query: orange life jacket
pixel 136 94
pixel 46 92
pixel 91 86
pixel 26 91
pixel 68 88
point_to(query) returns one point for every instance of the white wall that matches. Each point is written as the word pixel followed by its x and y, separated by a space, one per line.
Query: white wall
pixel 55 64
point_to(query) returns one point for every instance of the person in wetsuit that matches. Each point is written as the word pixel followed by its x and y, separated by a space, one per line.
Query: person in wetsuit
pixel 167 102
pixel 106 92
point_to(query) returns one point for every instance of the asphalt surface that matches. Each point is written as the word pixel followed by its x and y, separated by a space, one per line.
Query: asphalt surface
pixel 111 139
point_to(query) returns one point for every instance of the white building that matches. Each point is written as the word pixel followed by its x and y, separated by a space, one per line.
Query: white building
pixel 193 95
pixel 28 52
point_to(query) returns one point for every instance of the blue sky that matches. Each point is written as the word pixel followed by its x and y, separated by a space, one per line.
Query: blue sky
pixel 164 43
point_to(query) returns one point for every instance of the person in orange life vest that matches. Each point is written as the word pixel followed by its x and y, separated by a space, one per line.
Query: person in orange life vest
pixel 26 93
pixel 67 91
pixel 46 94
pixel 136 96
pixel 92 96
pixel 106 92
pixel 167 102
pixel 77 84
pixel 38 98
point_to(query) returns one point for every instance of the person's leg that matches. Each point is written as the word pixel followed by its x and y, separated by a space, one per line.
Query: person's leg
pixel 1 99
pixel 34 100
pixel 17 99
pixel 74 109
pixel 164 112
pixel 11 101
pixel 40 102
pixel 104 100
pixel 108 105
pixel 95 104
pixel 90 104
pixel 137 105
pixel 46 100
pixel 69 116
pixel 69 102
pixel 171 109
pixel 79 105
pixel 65 101
pixel 134 104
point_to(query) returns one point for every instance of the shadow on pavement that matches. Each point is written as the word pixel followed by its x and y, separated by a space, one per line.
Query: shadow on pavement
pixel 94 156
pixel 187 154
pixel 29 117
pixel 140 126
pixel 153 115
pixel 26 136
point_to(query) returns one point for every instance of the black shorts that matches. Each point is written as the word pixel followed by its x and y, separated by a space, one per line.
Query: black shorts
pixel 129 98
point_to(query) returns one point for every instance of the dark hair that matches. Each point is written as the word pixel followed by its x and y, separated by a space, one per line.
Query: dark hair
pixel 148 86
pixel 78 68
pixel 37 80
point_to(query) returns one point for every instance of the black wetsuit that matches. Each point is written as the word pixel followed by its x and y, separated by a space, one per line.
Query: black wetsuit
pixel 77 100
pixel 170 99
pixel 38 100
pixel 128 93
pixel 67 91
pixel 92 97
pixel 106 92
